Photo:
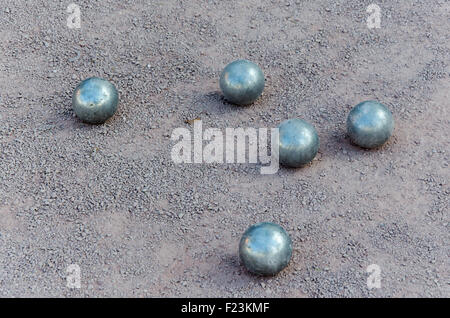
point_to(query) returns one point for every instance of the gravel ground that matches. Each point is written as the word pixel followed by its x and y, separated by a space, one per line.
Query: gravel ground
pixel 110 199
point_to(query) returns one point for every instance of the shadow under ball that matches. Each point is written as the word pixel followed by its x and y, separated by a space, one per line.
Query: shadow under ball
pixel 265 249
pixel 242 82
pixel 95 100
pixel 299 142
pixel 370 124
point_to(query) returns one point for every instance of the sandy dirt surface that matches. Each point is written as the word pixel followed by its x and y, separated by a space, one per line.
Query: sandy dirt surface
pixel 110 199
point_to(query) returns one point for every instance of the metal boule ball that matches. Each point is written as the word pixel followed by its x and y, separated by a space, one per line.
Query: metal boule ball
pixel 370 124
pixel 95 100
pixel 242 82
pixel 299 142
pixel 265 249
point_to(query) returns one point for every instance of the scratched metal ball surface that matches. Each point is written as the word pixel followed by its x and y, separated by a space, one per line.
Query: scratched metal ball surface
pixel 299 142
pixel 265 248
pixel 370 124
pixel 95 100
pixel 242 82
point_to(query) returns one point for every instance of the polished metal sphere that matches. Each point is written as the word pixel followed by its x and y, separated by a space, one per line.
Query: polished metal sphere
pixel 242 82
pixel 265 248
pixel 95 100
pixel 370 124
pixel 299 142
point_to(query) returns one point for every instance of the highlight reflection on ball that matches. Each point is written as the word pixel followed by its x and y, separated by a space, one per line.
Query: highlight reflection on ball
pixel 95 100
pixel 370 124
pixel 299 142
pixel 242 82
pixel 265 248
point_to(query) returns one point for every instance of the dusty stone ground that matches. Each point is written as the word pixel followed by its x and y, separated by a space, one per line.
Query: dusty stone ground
pixel 109 198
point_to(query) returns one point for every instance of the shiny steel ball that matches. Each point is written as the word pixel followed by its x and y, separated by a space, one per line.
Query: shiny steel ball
pixel 95 100
pixel 299 142
pixel 370 124
pixel 242 82
pixel 265 249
